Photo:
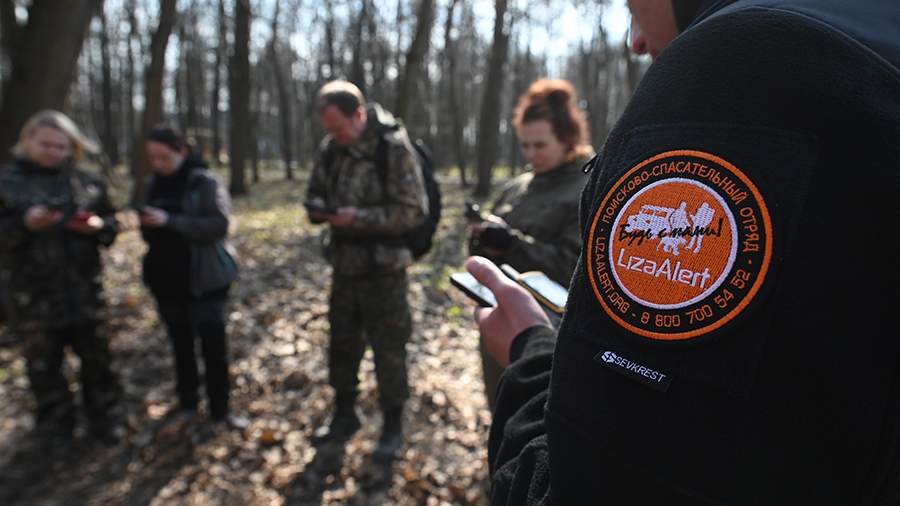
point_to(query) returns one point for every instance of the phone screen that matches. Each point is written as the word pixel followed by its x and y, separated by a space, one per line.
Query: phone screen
pixel 555 293
pixel 475 290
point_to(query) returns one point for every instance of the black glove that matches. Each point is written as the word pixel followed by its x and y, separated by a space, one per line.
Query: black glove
pixel 496 236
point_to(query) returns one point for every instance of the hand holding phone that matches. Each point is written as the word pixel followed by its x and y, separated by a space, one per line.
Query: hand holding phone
pixel 516 309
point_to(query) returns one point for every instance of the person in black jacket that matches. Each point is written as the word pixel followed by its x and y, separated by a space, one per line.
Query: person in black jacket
pixel 730 335
pixel 184 221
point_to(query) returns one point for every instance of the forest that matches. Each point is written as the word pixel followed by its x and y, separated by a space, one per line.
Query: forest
pixel 239 78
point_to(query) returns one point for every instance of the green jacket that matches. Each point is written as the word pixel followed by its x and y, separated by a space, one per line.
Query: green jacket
pixel 390 203
pixel 51 278
pixel 542 212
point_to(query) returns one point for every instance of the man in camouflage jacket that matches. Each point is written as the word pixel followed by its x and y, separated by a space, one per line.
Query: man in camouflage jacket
pixel 367 184
pixel 52 288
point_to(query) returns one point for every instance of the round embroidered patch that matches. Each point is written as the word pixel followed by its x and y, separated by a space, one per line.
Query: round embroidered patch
pixel 679 246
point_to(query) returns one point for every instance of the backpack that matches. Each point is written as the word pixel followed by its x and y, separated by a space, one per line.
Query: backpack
pixel 420 239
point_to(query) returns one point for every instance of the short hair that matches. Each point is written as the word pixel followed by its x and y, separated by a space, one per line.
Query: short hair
pixel 168 136
pixel 344 95
pixel 556 101
pixel 57 121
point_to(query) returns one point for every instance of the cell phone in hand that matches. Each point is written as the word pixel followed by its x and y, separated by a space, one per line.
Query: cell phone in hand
pixel 550 294
pixel 317 208
pixel 470 286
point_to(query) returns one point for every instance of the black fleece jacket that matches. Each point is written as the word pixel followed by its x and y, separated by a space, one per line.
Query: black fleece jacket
pixel 685 374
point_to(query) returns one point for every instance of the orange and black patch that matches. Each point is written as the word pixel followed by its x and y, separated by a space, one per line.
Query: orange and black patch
pixel 679 246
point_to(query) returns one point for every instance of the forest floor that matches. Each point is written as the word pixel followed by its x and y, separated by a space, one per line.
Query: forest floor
pixel 278 336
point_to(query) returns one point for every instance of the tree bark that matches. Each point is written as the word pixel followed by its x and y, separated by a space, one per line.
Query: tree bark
pixel 414 57
pixel 43 65
pixel 215 114
pixel 109 138
pixel 450 59
pixel 153 93
pixel 10 30
pixel 284 98
pixel 357 70
pixel 489 123
pixel 239 98
pixel 131 74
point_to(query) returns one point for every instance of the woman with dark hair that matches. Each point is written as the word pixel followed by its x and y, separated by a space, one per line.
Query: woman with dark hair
pixel 54 220
pixel 534 221
pixel 184 220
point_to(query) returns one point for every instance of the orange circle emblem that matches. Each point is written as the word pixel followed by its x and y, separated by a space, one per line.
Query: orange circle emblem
pixel 679 246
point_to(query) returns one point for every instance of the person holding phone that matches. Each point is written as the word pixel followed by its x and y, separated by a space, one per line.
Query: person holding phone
pixel 367 184
pixel 731 335
pixel 533 225
pixel 188 267
pixel 54 220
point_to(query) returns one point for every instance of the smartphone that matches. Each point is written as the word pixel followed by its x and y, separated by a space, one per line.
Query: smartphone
pixel 547 292
pixel 473 289
pixel 316 208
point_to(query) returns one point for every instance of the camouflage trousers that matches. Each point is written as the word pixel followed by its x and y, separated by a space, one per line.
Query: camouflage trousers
pixel 44 353
pixel 370 309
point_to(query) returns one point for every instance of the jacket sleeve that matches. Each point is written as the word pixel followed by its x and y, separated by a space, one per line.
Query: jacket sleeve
pixel 407 202
pixel 556 258
pixel 517 448
pixel 211 224
pixel 12 226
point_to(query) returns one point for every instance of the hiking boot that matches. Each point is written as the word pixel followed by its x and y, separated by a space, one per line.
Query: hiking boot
pixel 344 424
pixel 391 436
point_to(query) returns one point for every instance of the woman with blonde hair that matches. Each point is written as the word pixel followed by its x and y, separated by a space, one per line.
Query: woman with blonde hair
pixel 54 218
pixel 534 221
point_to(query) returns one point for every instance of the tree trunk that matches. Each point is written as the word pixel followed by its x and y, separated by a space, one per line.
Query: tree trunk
pixel 456 128
pixel 489 123
pixel 333 70
pixel 9 27
pixel 255 114
pixel 131 74
pixel 284 98
pixel 215 114
pixel 109 138
pixel 43 64
pixel 239 98
pixel 153 93
pixel 414 57
pixel 357 71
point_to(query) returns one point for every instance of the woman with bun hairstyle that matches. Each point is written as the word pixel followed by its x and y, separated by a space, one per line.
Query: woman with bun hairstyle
pixel 184 220
pixel 533 225
pixel 54 220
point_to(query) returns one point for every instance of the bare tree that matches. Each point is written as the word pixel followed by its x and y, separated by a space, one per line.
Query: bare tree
pixel 108 132
pixel 239 98
pixel 450 79
pixel 284 98
pixel 44 58
pixel 153 93
pixel 215 115
pixel 488 130
pixel 415 56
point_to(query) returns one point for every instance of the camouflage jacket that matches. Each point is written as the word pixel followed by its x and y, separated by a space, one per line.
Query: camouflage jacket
pixel 51 278
pixel 542 211
pixel 391 202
